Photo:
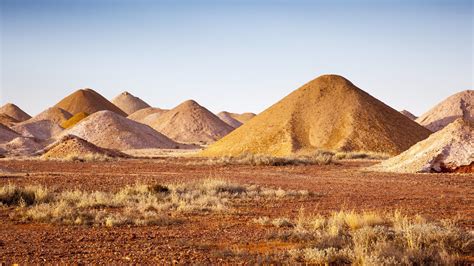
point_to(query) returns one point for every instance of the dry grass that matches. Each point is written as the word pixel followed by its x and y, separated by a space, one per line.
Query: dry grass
pixel 373 239
pixel 259 160
pixel 361 155
pixel 132 205
pixel 91 157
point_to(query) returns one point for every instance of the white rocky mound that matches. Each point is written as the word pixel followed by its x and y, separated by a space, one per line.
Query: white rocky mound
pixel 448 150
pixel 107 129
pixel 42 129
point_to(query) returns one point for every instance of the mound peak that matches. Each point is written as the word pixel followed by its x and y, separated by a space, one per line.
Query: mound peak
pixel 54 114
pixel 455 106
pixel 129 103
pixel 227 117
pixel 88 101
pixel 243 117
pixel 127 134
pixel 327 113
pixel 14 112
pixel 190 122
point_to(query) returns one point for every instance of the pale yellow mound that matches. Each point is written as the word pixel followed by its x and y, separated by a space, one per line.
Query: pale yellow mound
pixel 328 113
pixel 140 115
pixel 54 114
pixel 189 122
pixel 87 101
pixel 129 103
pixel 459 105
pixel 408 114
pixel 227 117
pixel 7 120
pixel 14 112
pixel 242 118
pixel 74 120
pixel 447 150
pixel 73 146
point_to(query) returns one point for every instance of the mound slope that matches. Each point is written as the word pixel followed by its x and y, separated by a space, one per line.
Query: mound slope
pixel 189 122
pixel 71 145
pixel 129 103
pixel 408 114
pixel 140 115
pixel 21 146
pixel 88 101
pixel 54 114
pixel 14 112
pixel 227 117
pixel 327 113
pixel 242 118
pixel 107 129
pixel 448 150
pixel 7 120
pixel 455 106
pixel 41 129
pixel 6 134
pixel 74 120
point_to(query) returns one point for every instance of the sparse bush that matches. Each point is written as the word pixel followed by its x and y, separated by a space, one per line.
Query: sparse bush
pixel 265 160
pixel 361 155
pixel 92 157
pixel 29 195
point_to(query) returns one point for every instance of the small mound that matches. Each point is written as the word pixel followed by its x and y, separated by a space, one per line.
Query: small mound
pixel 42 129
pixel 74 120
pixel 72 146
pixel 54 114
pixel 448 150
pixel 140 115
pixel 459 105
pixel 87 101
pixel 14 112
pixel 408 114
pixel 227 117
pixel 8 120
pixel 21 146
pixel 129 103
pixel 189 122
pixel 243 118
pixel 6 134
pixel 107 129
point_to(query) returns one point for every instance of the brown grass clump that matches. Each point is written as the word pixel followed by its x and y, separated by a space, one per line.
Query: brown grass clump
pixel 320 158
pixel 328 113
pixel 370 238
pixel 72 121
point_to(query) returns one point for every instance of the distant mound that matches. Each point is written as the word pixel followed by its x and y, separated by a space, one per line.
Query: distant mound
pixel 6 134
pixel 328 113
pixel 74 120
pixel 140 115
pixel 7 120
pixel 227 117
pixel 129 103
pixel 41 129
pixel 54 114
pixel 191 123
pixel 242 118
pixel 21 146
pixel 456 106
pixel 73 146
pixel 408 114
pixel 106 129
pixel 14 112
pixel 88 101
pixel 448 150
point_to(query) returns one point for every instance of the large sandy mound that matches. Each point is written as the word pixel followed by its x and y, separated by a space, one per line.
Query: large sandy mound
pixel 88 101
pixel 106 129
pixel 242 118
pixel 41 129
pixel 227 117
pixel 73 146
pixel 449 149
pixel 7 120
pixel 140 115
pixel 14 112
pixel 458 105
pixel 408 114
pixel 328 113
pixel 129 103
pixel 6 134
pixel 74 120
pixel 21 146
pixel 191 123
pixel 54 114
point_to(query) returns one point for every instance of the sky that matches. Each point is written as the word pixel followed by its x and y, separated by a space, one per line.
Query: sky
pixel 238 56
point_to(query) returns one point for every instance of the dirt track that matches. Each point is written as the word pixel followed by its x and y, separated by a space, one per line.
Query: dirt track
pixel 215 237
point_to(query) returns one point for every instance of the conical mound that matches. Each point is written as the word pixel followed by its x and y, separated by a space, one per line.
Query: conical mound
pixel 107 129
pixel 6 134
pixel 14 112
pixel 448 150
pixel 458 105
pixel 88 101
pixel 141 115
pixel 408 114
pixel 73 146
pixel 242 118
pixel 129 103
pixel 74 120
pixel 189 122
pixel 41 129
pixel 21 146
pixel 54 114
pixel 328 113
pixel 227 117
pixel 7 120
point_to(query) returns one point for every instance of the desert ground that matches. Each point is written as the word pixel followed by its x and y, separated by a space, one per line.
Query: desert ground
pixel 227 235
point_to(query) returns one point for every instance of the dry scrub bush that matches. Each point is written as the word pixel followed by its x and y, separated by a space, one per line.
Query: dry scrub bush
pixel 133 205
pixel 372 239
pixel 265 160
pixel 92 157
pixel 361 155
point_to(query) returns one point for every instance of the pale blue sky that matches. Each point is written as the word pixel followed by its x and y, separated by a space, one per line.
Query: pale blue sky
pixel 233 55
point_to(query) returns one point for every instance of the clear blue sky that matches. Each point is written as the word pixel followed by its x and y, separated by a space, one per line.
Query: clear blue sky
pixel 233 55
